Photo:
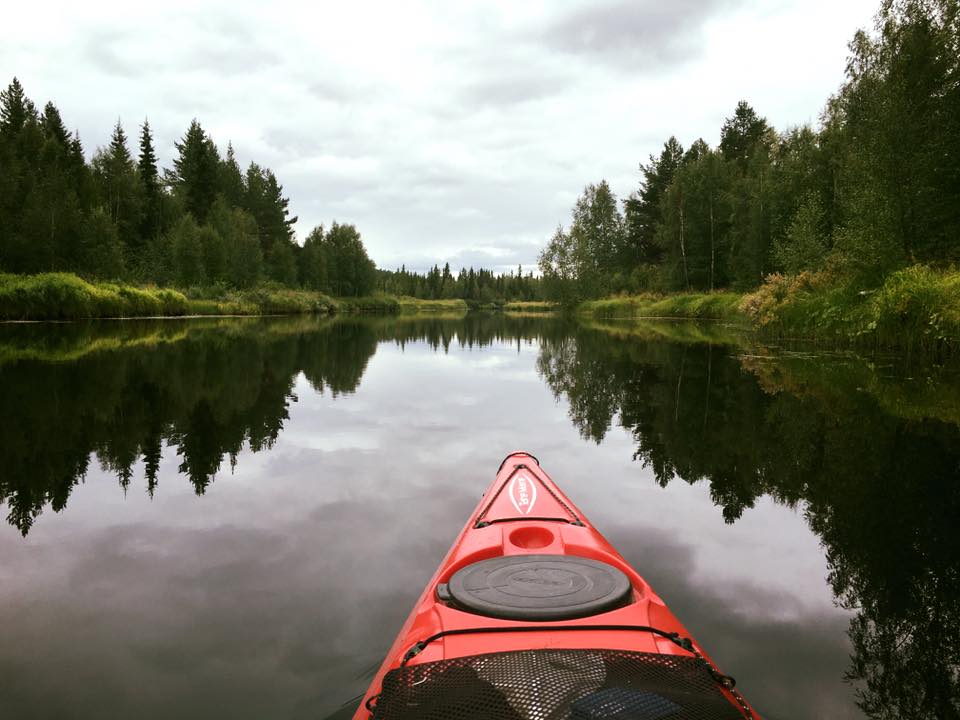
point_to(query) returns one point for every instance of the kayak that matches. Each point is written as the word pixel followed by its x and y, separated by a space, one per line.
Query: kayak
pixel 534 615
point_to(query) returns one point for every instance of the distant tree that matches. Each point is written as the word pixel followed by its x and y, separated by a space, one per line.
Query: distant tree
pixel 119 190
pixel 231 184
pixel 149 185
pixel 195 172
pixel 695 221
pixel 567 268
pixel 214 250
pixel 804 246
pixel 596 231
pixel 243 252
pixel 313 273
pixel 282 263
pixel 741 132
pixel 642 210
pixel 47 217
pixel 187 251
pixel 101 252
pixel 350 270
pixel 265 201
pixel 15 109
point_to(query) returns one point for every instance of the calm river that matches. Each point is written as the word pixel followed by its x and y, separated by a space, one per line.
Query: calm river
pixel 230 519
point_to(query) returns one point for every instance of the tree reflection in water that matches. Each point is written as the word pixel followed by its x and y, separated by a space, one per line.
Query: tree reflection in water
pixel 871 460
pixel 876 478
pixel 122 390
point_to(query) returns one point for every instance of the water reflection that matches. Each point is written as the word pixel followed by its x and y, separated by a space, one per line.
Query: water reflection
pixel 877 479
pixel 869 452
pixel 121 391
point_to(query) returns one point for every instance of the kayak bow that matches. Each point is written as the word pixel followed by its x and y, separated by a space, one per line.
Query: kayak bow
pixel 533 614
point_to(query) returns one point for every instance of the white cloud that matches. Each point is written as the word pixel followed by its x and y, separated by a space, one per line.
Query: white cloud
pixel 445 131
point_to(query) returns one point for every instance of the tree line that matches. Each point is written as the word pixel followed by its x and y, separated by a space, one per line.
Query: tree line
pixel 476 286
pixel 875 187
pixel 202 222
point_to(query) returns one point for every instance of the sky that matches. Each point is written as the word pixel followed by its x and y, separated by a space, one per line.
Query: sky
pixel 457 132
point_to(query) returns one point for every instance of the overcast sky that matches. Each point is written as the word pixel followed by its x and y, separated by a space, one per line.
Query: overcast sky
pixel 446 131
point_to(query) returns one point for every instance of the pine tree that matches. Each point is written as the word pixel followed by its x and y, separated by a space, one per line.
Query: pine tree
pixel 741 132
pixel 642 210
pixel 116 175
pixel 195 171
pixel 149 175
pixel 231 179
pixel 15 109
pixel 313 260
pixel 53 127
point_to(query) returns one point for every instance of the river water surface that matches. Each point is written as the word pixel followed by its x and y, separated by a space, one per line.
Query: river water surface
pixel 231 518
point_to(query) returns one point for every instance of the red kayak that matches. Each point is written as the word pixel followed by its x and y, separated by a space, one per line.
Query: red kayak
pixel 534 616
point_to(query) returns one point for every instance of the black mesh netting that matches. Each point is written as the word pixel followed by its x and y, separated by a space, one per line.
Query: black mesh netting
pixel 555 685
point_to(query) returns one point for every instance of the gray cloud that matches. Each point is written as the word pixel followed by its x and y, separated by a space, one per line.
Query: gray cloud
pixel 635 33
pixel 441 130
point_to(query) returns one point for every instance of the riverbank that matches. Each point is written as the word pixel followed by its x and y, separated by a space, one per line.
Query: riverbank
pixel 913 307
pixel 65 296
pixel 413 306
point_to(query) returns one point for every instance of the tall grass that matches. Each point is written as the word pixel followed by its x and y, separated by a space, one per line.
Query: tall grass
pixel 410 305
pixel 715 305
pixel 64 296
pixel 914 306
pixel 530 306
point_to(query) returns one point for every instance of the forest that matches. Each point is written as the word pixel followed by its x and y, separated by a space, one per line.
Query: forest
pixel 872 189
pixel 477 287
pixel 204 225
pixel 204 222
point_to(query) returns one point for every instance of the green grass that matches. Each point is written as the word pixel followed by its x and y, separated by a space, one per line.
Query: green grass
pixel 916 306
pixel 65 296
pixel 530 306
pixel 716 305
pixel 411 305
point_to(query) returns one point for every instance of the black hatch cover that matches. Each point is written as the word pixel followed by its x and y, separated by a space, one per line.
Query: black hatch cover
pixel 538 587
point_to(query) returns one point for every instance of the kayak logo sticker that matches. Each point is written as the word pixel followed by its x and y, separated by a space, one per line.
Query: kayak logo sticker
pixel 523 493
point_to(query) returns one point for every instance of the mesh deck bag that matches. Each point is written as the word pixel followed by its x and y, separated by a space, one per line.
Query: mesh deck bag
pixel 555 685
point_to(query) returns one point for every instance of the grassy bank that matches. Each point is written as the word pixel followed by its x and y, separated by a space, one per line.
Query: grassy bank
pixel 530 306
pixel 411 305
pixel 717 305
pixel 64 296
pixel 916 306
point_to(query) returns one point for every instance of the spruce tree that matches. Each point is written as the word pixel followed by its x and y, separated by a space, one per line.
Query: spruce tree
pixel 15 108
pixel 642 210
pixel 149 176
pixel 231 179
pixel 116 175
pixel 53 127
pixel 195 171
pixel 741 132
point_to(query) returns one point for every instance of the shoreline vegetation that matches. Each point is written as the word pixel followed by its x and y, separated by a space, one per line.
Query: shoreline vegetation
pixel 843 232
pixel 917 307
pixel 222 236
pixel 65 296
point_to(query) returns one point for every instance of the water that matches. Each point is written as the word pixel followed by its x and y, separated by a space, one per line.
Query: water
pixel 232 518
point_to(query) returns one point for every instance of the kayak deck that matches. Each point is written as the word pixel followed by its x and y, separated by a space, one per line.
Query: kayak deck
pixel 533 614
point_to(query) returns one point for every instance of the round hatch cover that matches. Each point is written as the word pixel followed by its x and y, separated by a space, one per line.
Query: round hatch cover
pixel 539 587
